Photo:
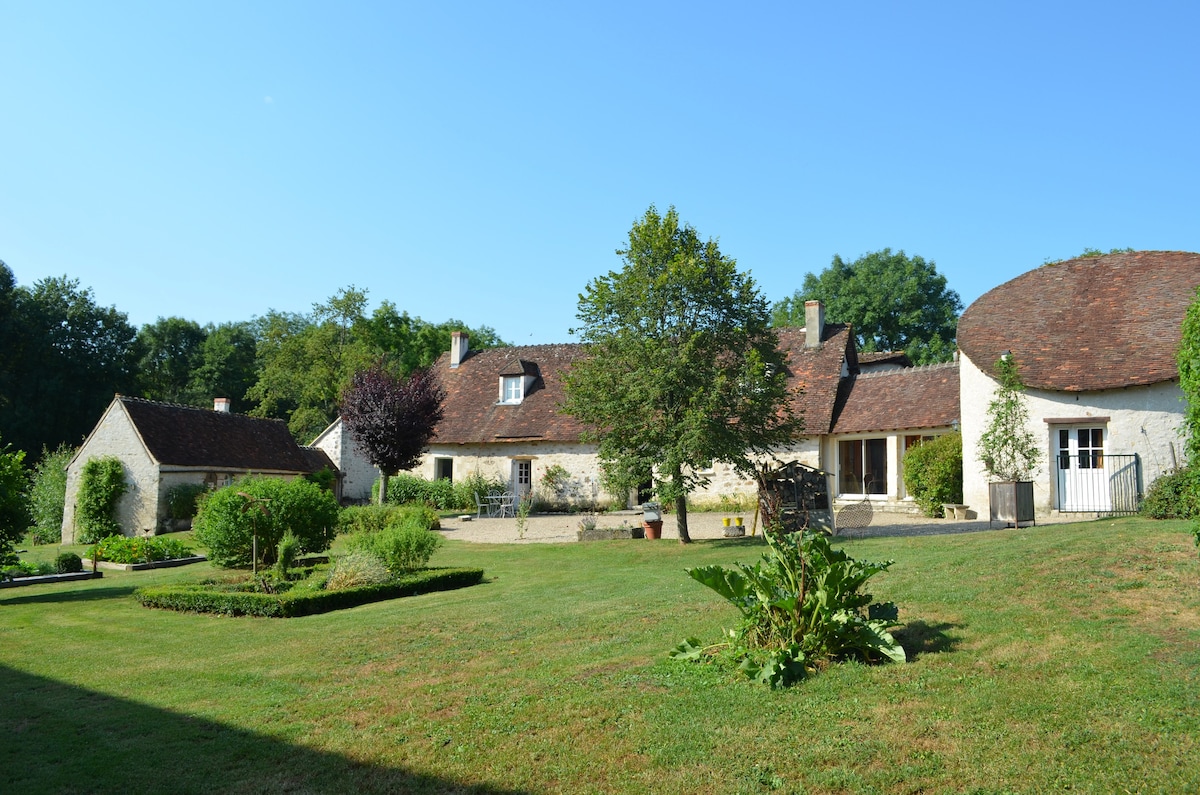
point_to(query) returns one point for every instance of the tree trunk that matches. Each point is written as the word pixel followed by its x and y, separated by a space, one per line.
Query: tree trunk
pixel 382 486
pixel 681 519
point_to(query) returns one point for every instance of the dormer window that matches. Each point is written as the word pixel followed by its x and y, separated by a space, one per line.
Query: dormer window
pixel 512 389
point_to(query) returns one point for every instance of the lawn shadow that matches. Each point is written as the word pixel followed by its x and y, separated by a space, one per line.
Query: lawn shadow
pixel 62 738
pixel 66 595
pixel 919 637
pixel 738 542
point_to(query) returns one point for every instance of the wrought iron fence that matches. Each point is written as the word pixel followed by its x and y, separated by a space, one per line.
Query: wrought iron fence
pixel 1095 482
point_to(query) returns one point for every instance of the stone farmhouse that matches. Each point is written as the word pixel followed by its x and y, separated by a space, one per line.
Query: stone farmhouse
pixel 502 416
pixel 1094 340
pixel 162 445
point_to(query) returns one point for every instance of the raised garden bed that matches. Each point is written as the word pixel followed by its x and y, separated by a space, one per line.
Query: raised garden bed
pixel 158 564
pixel 42 579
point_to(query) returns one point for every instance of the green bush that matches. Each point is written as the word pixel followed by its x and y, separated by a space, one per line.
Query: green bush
pixel 802 606
pixel 14 507
pixel 285 556
pixel 228 519
pixel 101 485
pixel 1175 495
pixel 366 518
pixel 402 547
pixel 933 473
pixel 47 494
pixel 442 494
pixel 68 563
pixel 25 568
pixel 300 601
pixel 355 570
pixel 139 549
pixel 183 500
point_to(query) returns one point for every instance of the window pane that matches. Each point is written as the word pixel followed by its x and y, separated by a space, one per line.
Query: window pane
pixel 875 472
pixel 850 467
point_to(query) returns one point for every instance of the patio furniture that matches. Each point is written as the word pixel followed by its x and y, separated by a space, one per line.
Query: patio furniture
pixel 501 505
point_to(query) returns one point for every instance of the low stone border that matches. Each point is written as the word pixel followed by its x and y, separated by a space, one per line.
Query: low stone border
pixel 41 579
pixel 158 564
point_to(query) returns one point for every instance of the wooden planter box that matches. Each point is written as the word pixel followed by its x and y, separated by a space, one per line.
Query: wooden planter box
pixel 1011 503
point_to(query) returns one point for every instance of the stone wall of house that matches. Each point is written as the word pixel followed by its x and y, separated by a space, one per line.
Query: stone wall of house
pixel 583 466
pixel 137 510
pixel 358 473
pixel 1144 420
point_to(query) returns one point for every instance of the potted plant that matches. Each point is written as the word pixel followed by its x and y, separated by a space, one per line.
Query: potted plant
pixel 1008 450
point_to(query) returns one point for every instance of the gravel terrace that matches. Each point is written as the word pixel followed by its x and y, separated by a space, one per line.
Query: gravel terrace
pixel 561 528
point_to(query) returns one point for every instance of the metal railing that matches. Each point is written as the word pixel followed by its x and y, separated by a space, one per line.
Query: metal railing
pixel 1094 482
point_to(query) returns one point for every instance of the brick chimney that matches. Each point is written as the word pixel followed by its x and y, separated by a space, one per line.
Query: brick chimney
pixel 814 323
pixel 222 405
pixel 460 343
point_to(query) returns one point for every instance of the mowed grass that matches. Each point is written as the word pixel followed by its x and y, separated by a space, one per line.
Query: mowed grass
pixel 1041 659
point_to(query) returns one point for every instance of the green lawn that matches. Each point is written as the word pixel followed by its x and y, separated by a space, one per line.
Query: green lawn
pixel 1046 658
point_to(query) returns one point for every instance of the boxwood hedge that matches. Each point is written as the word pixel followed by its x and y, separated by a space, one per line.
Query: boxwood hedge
pixel 300 602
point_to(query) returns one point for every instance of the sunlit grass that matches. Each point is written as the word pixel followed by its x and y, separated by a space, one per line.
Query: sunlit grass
pixel 1043 658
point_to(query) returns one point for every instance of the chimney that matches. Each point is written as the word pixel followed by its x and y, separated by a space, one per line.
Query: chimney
pixel 460 343
pixel 814 323
pixel 222 405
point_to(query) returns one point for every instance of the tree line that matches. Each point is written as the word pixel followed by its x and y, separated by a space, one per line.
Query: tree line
pixel 63 357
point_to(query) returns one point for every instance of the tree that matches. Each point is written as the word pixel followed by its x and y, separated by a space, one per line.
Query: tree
pixel 68 357
pixel 226 366
pixel 892 302
pixel 1188 361
pixel 169 350
pixel 1008 450
pixel 14 507
pixel 684 368
pixel 392 417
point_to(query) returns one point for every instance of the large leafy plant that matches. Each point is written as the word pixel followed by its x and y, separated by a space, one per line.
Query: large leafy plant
pixel 802 607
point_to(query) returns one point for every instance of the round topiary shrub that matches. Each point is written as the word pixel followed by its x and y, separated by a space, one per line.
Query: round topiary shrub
pixel 68 563
pixel 229 518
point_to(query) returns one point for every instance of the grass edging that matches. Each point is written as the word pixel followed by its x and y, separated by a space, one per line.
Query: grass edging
pixel 203 599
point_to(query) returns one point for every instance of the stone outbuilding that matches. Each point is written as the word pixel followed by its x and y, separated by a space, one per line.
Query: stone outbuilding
pixel 162 445
pixel 1095 340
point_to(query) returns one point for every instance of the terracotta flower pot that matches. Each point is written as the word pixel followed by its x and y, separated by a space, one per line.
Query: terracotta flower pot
pixel 653 529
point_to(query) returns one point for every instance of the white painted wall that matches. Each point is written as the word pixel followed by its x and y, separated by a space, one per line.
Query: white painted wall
pixel 1143 420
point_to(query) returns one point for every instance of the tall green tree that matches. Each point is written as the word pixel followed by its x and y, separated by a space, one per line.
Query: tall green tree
pixel 684 370
pixel 1188 361
pixel 169 350
pixel 227 365
pixel 14 505
pixel 892 301
pixel 68 357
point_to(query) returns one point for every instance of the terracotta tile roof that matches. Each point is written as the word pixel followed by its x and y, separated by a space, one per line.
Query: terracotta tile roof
pixel 892 400
pixel 189 436
pixel 899 358
pixel 817 371
pixel 472 414
pixel 1089 323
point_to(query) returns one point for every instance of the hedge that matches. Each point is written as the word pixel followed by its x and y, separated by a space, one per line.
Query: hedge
pixel 202 599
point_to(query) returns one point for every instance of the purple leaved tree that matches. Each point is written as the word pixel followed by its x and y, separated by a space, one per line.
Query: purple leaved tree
pixel 392 418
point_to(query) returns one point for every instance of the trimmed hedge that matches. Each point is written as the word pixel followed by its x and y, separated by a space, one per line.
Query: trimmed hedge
pixel 202 599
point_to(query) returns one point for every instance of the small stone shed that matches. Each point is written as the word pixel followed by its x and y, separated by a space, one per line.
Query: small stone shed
pixel 162 445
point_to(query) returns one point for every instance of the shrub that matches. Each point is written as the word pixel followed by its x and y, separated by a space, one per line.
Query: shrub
pixel 933 473
pixel 356 569
pixel 47 494
pixel 403 547
pixel 68 563
pixel 24 568
pixel 229 518
pixel 285 556
pixel 101 485
pixel 1175 495
pixel 14 508
pixel 366 518
pixel 300 601
pixel 183 500
pixel 802 606
pixel 139 549
pixel 476 483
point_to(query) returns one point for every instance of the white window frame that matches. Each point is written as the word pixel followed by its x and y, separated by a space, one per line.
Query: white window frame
pixel 512 389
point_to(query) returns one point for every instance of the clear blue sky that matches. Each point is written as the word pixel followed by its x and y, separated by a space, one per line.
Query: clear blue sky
pixel 482 161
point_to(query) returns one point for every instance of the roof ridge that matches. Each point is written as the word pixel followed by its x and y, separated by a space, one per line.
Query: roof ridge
pixel 915 368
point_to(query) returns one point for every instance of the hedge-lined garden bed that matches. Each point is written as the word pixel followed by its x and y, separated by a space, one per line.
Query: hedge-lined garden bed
pixel 300 601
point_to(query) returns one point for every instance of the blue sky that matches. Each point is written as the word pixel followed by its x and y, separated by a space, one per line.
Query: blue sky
pixel 482 161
